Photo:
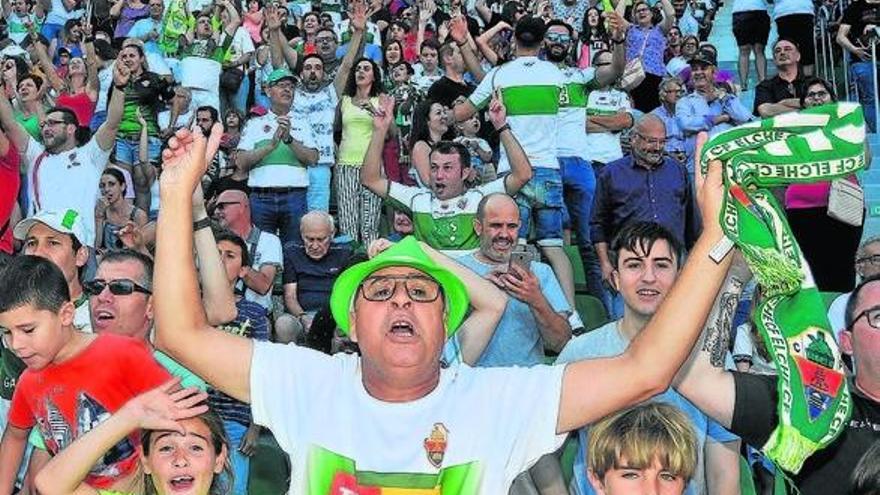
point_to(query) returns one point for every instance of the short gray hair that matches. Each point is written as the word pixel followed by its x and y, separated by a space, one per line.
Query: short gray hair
pixel 318 216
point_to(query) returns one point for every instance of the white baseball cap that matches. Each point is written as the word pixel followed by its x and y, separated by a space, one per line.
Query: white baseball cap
pixel 68 221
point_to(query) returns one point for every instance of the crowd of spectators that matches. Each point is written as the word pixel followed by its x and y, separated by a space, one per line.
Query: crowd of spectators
pixel 225 191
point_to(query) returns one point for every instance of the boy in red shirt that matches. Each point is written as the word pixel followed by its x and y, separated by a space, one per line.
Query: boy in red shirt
pixel 73 380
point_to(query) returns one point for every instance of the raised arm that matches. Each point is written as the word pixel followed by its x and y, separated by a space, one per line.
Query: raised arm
pixel 459 32
pixel 608 75
pixel 357 15
pixel 217 294
pixel 93 85
pixel 280 50
pixel 371 171
pixel 158 409
pixel 181 328
pixel 592 389
pixel 668 16
pixel 48 69
pixel 703 379
pixel 14 131
pixel 520 166
pixel 234 18
pixel 106 134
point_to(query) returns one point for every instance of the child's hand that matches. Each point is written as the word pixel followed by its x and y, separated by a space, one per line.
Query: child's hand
pixel 165 405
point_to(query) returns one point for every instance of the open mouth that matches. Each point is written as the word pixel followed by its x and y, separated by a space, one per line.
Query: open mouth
pixel 181 483
pixel 402 329
pixel 104 316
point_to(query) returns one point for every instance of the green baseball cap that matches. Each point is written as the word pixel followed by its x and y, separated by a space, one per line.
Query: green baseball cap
pixel 279 75
pixel 408 253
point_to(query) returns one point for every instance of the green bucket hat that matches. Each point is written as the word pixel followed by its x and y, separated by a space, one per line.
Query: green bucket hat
pixel 407 252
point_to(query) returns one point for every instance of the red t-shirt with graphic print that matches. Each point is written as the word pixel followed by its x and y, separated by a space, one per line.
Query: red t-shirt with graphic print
pixel 69 399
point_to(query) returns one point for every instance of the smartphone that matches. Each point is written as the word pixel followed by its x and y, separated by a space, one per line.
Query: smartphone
pixel 522 259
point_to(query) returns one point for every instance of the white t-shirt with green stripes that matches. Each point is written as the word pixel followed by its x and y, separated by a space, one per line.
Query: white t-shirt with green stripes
pixel 280 168
pixel 446 225
pixel 530 89
pixel 605 146
pixel 572 140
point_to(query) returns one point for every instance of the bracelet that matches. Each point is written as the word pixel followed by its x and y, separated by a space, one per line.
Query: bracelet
pixel 201 224
pixel 120 87
pixel 461 45
pixel 618 42
pixel 505 127
pixel 90 39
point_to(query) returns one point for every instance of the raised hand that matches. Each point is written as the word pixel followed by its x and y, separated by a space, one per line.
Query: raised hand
pixel 162 407
pixel 121 74
pixel 458 28
pixel 384 115
pixel 358 14
pixel 497 111
pixel 185 160
pixel 710 187
pixel 427 8
pixel 615 25
pixel 273 18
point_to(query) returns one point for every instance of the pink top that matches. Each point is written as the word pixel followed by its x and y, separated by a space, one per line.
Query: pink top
pixel 253 24
pixel 815 195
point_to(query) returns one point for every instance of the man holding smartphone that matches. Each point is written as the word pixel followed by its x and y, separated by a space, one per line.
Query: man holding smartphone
pixel 536 317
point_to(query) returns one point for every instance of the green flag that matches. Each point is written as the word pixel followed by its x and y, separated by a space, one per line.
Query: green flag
pixel 817 144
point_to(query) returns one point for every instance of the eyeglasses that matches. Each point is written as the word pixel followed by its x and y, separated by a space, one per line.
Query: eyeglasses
pixel 326 39
pixel 49 122
pixel 557 38
pixel 118 287
pixel 679 91
pixel 872 316
pixel 652 141
pixel 690 43
pixel 815 95
pixel 873 259
pixel 419 288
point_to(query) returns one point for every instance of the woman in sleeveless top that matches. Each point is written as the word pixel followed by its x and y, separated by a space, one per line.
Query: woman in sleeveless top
pixel 113 212
pixel 359 208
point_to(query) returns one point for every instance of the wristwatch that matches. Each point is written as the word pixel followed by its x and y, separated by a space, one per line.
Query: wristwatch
pixel 287 139
pixel 201 224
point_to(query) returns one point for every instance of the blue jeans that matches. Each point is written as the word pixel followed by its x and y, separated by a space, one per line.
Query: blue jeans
pixel 127 150
pixel 279 212
pixel 318 196
pixel 542 197
pixel 862 74
pixel 241 463
pixel 579 188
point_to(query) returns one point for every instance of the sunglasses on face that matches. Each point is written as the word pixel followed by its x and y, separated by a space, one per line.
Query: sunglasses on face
pixel 118 287
pixel 558 38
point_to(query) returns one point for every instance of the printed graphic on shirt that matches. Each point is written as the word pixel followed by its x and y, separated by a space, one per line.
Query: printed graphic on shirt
pixel 58 434
pixel 333 474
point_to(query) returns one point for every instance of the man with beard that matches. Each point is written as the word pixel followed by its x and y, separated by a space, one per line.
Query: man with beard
pixel 572 147
pixel 62 171
pixel 316 97
pixel 781 93
pixel 646 185
pixel 709 107
pixel 311 268
pixel 443 214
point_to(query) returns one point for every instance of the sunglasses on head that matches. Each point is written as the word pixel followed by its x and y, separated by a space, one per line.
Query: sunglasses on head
pixel 118 287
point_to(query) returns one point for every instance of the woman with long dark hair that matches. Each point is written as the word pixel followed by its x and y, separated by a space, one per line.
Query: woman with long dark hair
pixel 430 126
pixel 359 208
pixel 593 37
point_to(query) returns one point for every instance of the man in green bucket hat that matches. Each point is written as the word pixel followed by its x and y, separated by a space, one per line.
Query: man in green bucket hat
pixel 395 417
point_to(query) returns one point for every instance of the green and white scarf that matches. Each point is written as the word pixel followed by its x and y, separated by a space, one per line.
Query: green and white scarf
pixel 817 144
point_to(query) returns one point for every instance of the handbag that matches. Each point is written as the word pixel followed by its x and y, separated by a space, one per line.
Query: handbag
pixel 230 79
pixel 634 71
pixel 846 202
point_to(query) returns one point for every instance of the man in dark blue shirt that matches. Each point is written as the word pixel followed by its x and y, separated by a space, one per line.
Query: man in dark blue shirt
pixel 310 268
pixel 646 185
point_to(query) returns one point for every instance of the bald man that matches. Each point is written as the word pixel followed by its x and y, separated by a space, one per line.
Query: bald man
pixel 645 185
pixel 232 210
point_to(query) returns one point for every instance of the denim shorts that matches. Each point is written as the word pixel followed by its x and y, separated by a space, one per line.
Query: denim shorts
pixel 541 198
pixel 127 150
